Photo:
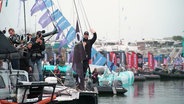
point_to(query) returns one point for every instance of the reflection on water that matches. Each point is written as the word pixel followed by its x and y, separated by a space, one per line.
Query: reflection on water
pixel 150 92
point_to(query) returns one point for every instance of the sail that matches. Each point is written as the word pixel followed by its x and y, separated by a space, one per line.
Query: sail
pixel 5 46
pixel 150 61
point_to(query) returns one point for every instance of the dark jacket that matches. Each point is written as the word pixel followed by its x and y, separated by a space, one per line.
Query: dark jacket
pixel 89 44
pixel 14 39
pixel 37 49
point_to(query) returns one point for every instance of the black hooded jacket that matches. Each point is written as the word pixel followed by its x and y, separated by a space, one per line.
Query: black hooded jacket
pixel 37 49
pixel 89 43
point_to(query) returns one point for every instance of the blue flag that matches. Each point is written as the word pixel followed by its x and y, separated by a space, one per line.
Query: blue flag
pixel 48 3
pixel 58 34
pixel 56 15
pixel 93 52
pixel 63 23
pixel 71 35
pixel 45 19
pixel 41 5
pixel 99 59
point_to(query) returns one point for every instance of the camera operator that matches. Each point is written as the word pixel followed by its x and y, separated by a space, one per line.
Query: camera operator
pixel 14 38
pixel 38 47
pixel 15 41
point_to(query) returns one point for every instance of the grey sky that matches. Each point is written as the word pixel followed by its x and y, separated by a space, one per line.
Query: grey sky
pixel 112 19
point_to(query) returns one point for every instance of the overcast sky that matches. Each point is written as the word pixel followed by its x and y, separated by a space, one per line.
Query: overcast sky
pixel 112 19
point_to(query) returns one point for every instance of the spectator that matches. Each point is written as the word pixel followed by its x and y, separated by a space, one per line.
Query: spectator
pixel 36 53
pixel 15 41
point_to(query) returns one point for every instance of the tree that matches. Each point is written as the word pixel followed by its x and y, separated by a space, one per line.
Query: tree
pixel 177 38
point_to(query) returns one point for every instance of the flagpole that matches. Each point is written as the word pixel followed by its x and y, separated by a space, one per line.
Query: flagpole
pixel 24 16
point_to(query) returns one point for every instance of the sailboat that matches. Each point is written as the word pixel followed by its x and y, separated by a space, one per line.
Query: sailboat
pixel 99 61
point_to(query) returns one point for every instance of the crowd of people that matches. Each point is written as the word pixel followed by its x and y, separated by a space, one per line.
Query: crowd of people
pixel 32 49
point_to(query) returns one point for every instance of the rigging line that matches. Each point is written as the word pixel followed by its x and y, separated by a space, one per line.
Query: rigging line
pixel 85 14
pixel 77 16
pixel 84 19
pixel 80 25
pixel 59 6
pixel 59 79
pixel 73 14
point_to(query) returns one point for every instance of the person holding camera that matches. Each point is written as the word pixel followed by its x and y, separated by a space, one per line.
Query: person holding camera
pixel 15 41
pixel 14 38
pixel 38 47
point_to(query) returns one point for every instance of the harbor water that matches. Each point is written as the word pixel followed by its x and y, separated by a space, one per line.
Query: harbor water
pixel 149 92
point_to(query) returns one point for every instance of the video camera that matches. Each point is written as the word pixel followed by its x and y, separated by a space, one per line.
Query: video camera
pixel 39 33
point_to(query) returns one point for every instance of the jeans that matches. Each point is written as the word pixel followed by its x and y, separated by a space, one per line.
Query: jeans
pixel 15 64
pixel 38 63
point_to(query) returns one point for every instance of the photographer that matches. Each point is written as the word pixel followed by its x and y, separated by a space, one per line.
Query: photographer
pixel 15 41
pixel 14 38
pixel 36 53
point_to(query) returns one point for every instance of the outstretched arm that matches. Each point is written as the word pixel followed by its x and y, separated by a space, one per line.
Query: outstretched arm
pixel 94 35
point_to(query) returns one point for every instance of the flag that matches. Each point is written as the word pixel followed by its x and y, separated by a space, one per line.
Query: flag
pixel 1 5
pixel 155 62
pixel 78 57
pixel 113 58
pixel 150 61
pixel 63 42
pixel 63 23
pixel 129 61
pixel 123 58
pixel 41 5
pixel 58 34
pixel 99 59
pixel 70 35
pixel 77 31
pixel 93 52
pixel 48 3
pixel 140 60
pixel 134 60
pixel 56 15
pixel 45 19
pixel 107 56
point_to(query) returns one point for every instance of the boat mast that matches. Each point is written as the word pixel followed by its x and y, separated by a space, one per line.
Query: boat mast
pixel 79 22
pixel 119 31
pixel 24 16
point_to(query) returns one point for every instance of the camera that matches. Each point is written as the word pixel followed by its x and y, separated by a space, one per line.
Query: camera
pixel 39 33
pixel 15 39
